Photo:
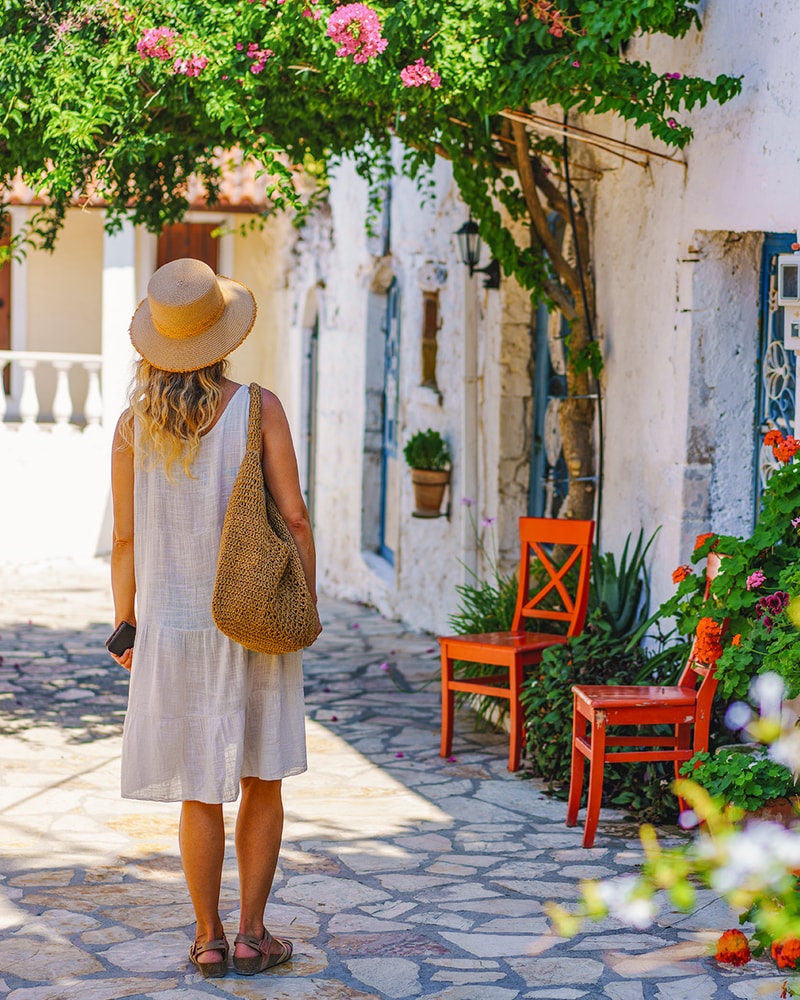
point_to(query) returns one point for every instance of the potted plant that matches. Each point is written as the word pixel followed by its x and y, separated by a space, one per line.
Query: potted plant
pixel 428 457
pixel 746 777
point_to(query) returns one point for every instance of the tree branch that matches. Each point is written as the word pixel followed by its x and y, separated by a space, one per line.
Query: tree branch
pixel 522 158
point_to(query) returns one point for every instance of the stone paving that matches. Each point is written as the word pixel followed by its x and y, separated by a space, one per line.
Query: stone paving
pixel 402 875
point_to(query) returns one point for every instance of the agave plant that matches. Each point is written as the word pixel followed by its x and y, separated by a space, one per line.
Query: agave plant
pixel 620 596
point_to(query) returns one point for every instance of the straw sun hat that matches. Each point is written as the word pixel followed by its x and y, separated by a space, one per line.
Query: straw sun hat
pixel 191 317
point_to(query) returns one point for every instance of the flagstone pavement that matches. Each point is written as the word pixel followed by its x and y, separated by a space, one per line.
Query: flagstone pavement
pixel 401 875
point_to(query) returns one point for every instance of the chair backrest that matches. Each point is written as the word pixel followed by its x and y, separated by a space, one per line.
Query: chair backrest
pixel 554 568
pixel 695 670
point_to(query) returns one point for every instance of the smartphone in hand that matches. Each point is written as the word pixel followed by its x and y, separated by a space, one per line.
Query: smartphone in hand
pixel 121 638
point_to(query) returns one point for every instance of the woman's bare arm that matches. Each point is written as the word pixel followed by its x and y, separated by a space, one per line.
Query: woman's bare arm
pixel 280 472
pixel 123 580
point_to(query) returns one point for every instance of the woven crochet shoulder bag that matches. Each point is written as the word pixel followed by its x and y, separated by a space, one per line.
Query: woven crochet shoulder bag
pixel 261 598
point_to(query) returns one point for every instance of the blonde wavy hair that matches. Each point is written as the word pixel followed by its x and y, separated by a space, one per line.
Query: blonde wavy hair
pixel 172 410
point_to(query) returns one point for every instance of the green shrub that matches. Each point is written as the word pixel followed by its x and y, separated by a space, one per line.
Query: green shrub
pixel 742 776
pixel 756 639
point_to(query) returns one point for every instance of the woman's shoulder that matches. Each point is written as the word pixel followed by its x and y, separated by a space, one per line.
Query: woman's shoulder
pixel 271 406
pixel 123 432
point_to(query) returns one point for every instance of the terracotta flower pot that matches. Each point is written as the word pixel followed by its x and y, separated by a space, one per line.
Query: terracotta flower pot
pixel 429 487
pixel 782 810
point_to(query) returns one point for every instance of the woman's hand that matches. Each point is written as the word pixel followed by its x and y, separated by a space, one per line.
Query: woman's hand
pixel 126 660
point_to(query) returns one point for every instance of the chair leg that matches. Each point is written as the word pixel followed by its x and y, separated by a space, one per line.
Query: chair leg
pixel 683 740
pixel 596 765
pixel 576 769
pixel 516 716
pixel 448 704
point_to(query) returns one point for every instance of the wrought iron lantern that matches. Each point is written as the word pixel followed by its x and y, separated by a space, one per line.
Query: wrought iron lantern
pixel 469 246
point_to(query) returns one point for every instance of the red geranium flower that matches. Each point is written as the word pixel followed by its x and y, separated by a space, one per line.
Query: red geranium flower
pixel 681 573
pixel 701 539
pixel 786 952
pixel 707 645
pixel 733 948
pixel 773 437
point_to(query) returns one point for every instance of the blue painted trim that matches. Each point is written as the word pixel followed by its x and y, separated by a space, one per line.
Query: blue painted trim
pixel 774 244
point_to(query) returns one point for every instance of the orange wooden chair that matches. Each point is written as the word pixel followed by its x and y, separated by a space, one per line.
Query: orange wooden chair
pixel 686 706
pixel 562 595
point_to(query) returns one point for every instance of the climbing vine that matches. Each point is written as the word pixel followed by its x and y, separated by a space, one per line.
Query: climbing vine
pixel 121 102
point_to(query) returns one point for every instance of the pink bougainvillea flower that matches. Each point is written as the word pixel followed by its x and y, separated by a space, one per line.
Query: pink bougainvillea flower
pixel 576 63
pixel 259 57
pixel 452 760
pixel 420 75
pixel 672 123
pixel 384 666
pixel 399 754
pixel 191 66
pixel 157 43
pixel 756 579
pixel 357 31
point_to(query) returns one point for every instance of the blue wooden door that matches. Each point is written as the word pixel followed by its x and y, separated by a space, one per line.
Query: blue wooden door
pixel 777 382
pixel 390 486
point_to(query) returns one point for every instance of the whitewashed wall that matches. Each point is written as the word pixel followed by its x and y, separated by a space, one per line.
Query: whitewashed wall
pixel 677 257
pixel 343 270
pixel 676 254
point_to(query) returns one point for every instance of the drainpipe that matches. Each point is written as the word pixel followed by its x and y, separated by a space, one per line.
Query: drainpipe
pixel 469 432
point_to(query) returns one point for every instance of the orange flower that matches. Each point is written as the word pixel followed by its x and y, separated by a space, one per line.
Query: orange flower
pixel 773 437
pixel 681 573
pixel 785 450
pixel 786 952
pixel 701 539
pixel 707 645
pixel 733 948
pixel 737 639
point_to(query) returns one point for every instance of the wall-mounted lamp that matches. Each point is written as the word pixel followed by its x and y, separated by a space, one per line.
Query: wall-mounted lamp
pixel 469 246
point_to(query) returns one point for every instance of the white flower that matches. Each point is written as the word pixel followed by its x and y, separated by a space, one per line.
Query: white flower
pixel 619 896
pixel 768 690
pixel 738 715
pixel 758 857
pixel 786 749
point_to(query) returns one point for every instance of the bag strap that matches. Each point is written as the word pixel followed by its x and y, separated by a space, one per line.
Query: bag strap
pixel 254 423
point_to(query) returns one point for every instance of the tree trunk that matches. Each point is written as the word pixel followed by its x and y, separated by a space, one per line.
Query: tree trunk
pixel 576 417
pixel 572 291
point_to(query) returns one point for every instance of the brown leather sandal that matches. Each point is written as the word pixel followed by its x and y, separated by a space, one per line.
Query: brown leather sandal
pixel 264 960
pixel 210 970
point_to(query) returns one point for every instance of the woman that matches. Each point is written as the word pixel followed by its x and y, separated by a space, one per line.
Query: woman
pixel 205 715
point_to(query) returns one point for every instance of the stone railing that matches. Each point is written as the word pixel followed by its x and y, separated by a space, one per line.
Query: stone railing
pixel 24 408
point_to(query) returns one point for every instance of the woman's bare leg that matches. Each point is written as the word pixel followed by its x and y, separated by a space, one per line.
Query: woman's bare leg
pixel 202 841
pixel 259 827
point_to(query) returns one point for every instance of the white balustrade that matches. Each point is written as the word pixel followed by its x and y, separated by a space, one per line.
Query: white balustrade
pixel 27 408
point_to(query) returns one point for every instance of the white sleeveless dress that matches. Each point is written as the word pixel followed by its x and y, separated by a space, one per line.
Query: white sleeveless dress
pixel 203 711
